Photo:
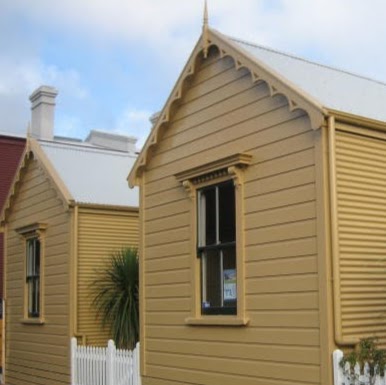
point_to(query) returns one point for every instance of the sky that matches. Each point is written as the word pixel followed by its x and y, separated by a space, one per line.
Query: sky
pixel 115 62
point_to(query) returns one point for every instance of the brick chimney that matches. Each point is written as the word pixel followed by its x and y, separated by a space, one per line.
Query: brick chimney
pixel 43 111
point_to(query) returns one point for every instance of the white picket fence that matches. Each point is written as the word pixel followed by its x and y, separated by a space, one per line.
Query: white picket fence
pixel 342 377
pixel 92 365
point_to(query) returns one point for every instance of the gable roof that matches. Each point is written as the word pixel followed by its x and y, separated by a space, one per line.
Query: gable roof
pixel 333 88
pixel 317 89
pixel 81 173
pixel 92 175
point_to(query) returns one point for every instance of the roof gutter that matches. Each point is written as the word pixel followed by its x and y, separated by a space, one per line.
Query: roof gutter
pixel 100 206
pixel 356 120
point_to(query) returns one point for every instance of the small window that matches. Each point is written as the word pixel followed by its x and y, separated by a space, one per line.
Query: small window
pixel 217 248
pixel 33 277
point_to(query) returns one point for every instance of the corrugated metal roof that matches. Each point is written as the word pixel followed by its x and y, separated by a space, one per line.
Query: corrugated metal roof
pixel 331 87
pixel 93 175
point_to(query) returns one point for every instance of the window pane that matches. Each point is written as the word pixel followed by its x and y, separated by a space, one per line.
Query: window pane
pixel 37 258
pixel 30 296
pixel 227 219
pixel 32 277
pixel 219 282
pixel 209 197
pixel 211 277
pixel 29 250
pixel 229 274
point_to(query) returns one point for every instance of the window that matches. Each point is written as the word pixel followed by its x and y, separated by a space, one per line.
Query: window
pixel 33 237
pixel 33 277
pixel 217 243
pixel 217 248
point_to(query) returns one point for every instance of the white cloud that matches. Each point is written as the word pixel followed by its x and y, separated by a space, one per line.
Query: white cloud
pixel 345 30
pixel 134 122
pixel 344 33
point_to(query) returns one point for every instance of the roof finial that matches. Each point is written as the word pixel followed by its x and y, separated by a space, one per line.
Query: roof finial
pixel 205 27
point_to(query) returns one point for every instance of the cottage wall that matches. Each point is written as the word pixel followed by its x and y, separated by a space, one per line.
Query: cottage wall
pixel 222 113
pixel 361 224
pixel 38 353
pixel 101 232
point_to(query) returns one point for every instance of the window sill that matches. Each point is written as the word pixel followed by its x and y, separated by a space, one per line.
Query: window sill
pixel 32 321
pixel 217 321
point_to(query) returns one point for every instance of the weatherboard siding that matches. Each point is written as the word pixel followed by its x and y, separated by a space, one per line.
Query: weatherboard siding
pixel 223 113
pixel 101 232
pixel 361 211
pixel 38 354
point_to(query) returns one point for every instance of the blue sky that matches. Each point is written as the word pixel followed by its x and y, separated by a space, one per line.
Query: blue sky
pixel 114 63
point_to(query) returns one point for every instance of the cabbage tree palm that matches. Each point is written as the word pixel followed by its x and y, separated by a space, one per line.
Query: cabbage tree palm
pixel 116 297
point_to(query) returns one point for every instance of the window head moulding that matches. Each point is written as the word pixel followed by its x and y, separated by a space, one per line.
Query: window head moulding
pixel 216 169
pixel 35 228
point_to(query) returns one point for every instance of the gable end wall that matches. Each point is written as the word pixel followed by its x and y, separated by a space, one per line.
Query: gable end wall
pixel 222 113
pixel 38 354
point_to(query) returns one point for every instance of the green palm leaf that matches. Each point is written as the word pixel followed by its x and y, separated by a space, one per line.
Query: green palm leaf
pixel 116 297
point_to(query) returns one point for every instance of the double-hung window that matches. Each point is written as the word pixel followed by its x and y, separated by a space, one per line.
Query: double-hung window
pixel 216 193
pixel 217 248
pixel 33 277
pixel 33 239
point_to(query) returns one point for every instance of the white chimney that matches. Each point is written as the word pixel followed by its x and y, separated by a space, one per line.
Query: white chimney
pixel 112 141
pixel 43 111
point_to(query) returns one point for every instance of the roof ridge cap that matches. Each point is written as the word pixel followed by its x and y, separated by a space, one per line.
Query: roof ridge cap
pixel 307 60
pixel 87 148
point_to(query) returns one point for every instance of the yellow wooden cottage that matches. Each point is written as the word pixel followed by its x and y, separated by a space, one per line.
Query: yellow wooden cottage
pixel 68 210
pixel 263 219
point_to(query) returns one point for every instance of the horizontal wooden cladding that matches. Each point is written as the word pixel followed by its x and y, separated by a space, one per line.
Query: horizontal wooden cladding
pixel 168 250
pixel 258 318
pixel 299 229
pixel 270 335
pixel 220 116
pixel 165 264
pixel 361 173
pixel 101 232
pixel 283 214
pixel 38 354
pixel 282 301
pixel 167 209
pixel 285 354
pixel 247 136
pixel 304 174
pixel 281 267
pixel 235 366
pixel 169 290
pixel 171 222
pixel 160 375
pixel 17 374
pixel 236 93
pixel 167 236
pixel 282 284
pixel 288 249
pixel 27 362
